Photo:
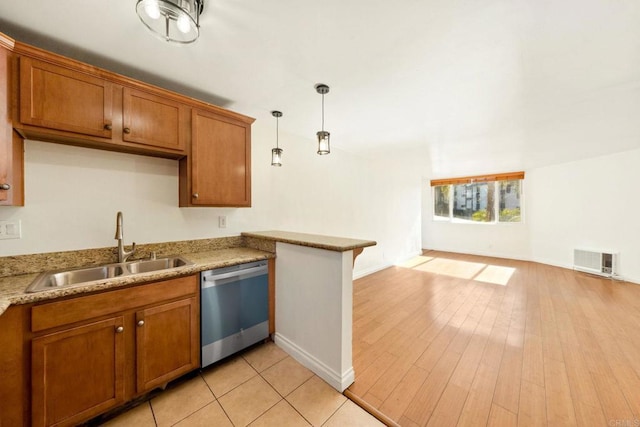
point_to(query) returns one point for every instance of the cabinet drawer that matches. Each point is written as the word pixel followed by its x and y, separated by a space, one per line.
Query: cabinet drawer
pixel 59 313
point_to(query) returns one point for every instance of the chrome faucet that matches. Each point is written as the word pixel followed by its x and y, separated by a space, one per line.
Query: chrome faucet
pixel 122 253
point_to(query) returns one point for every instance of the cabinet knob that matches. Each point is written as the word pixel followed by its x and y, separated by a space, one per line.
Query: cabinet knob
pixel 119 329
pixel 5 186
pixel 126 130
pixel 107 127
pixel 195 195
pixel 140 322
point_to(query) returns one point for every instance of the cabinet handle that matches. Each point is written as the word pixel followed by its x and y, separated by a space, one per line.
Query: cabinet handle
pixel 195 195
pixel 126 130
pixel 140 322
pixel 5 186
pixel 107 127
pixel 119 329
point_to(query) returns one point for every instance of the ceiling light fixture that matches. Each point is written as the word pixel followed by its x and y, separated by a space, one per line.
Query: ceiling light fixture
pixel 323 136
pixel 176 21
pixel 276 153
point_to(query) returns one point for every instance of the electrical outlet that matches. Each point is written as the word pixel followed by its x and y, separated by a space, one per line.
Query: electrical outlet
pixel 222 221
pixel 10 230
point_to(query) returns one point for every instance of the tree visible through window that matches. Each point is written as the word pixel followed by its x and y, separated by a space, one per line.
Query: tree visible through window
pixel 486 198
pixel 441 200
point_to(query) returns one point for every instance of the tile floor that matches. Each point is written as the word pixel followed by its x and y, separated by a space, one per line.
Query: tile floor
pixel 260 387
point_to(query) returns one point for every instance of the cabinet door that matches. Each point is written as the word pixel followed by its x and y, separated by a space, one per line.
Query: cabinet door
pixel 167 342
pixel 63 99
pixel 221 161
pixel 11 147
pixel 153 120
pixel 78 373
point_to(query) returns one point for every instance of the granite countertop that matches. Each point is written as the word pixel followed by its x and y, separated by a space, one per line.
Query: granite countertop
pixel 338 244
pixel 206 254
pixel 12 288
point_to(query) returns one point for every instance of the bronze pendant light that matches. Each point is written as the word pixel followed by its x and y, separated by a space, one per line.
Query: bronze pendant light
pixel 323 135
pixel 276 153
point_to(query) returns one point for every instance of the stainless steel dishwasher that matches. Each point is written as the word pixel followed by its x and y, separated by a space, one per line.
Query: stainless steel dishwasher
pixel 234 309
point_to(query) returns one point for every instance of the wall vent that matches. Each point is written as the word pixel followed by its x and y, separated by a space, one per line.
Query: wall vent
pixel 596 262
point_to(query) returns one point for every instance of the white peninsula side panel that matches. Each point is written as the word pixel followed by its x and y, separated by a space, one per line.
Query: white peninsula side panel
pixel 314 297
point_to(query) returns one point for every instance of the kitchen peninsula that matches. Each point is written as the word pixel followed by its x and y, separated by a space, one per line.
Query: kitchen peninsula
pixel 314 300
pixel 313 305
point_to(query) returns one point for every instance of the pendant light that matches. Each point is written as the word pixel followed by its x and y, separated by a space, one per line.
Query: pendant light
pixel 323 136
pixel 276 153
pixel 176 21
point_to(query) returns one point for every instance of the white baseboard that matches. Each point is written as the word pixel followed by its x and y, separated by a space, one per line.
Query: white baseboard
pixel 482 253
pixel 339 381
pixel 632 280
pixel 379 267
pixel 361 273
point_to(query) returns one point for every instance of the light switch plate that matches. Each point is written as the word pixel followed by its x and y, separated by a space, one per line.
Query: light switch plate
pixel 10 229
pixel 222 221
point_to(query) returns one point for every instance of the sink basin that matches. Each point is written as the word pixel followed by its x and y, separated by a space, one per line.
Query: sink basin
pixel 72 277
pixel 145 266
pixel 57 279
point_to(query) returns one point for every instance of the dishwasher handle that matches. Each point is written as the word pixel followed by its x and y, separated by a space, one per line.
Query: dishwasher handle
pixel 215 277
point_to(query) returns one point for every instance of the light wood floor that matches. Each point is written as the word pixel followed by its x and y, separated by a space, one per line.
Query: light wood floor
pixel 466 340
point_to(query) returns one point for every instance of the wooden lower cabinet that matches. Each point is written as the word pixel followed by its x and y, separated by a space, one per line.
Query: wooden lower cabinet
pixel 78 373
pixel 167 342
pixel 93 353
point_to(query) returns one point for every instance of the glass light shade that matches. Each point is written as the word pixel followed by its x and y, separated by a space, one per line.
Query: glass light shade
pixel 323 142
pixel 276 157
pixel 175 21
pixel 152 10
pixel 184 23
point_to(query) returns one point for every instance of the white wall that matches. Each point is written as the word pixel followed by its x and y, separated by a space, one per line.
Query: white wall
pixel 590 203
pixel 73 194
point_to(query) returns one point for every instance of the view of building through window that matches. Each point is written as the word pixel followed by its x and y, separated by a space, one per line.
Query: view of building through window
pixel 490 200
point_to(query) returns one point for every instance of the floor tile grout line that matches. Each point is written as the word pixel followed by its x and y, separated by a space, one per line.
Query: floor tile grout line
pixel 153 414
pixel 292 405
pixel 334 412
pixel 214 397
pixel 282 397
pixel 260 374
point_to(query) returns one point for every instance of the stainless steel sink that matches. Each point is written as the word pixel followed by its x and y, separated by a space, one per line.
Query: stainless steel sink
pixel 66 278
pixel 145 266
pixel 61 278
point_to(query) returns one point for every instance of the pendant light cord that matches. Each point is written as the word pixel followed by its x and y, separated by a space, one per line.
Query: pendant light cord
pixel 323 112
pixel 277 132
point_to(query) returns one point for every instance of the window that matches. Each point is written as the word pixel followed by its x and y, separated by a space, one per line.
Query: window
pixel 481 199
pixel 441 201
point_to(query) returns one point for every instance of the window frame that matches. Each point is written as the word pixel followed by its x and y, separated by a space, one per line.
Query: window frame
pixel 496 178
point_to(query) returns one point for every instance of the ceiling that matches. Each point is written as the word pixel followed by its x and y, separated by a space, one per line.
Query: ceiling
pixel 477 86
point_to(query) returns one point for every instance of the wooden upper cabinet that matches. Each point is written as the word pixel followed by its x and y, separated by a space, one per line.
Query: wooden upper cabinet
pixel 220 163
pixel 59 98
pixel 152 120
pixel 66 102
pixel 11 145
